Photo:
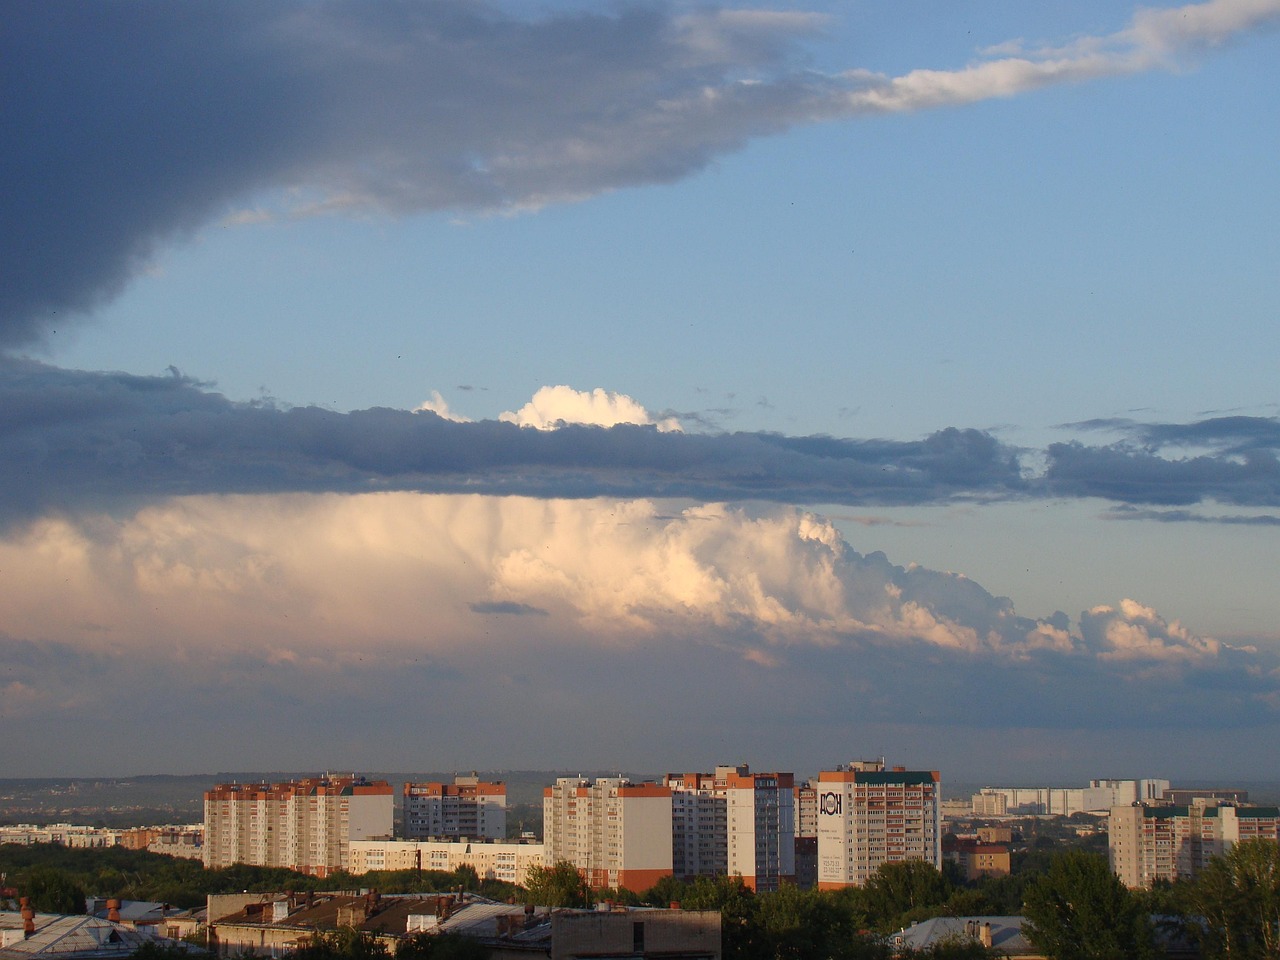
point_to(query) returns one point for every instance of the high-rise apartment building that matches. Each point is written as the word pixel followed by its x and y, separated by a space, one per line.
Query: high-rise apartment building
pixel 305 825
pixel 869 816
pixel 734 822
pixel 1147 843
pixel 617 833
pixel 466 808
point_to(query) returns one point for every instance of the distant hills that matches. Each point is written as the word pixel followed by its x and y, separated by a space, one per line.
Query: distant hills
pixel 178 798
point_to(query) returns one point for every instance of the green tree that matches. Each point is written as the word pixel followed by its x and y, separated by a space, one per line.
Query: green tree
pixel 441 946
pixel 346 943
pixel 1237 897
pixel 900 893
pixel 559 885
pixel 53 891
pixel 1079 910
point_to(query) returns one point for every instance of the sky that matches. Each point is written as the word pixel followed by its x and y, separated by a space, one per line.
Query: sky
pixel 640 386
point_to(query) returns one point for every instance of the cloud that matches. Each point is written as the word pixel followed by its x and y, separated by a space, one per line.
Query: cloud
pixel 553 407
pixel 440 408
pixel 348 613
pixel 1187 516
pixel 1240 465
pixel 132 124
pixel 507 608
pixel 73 439
pixel 1135 632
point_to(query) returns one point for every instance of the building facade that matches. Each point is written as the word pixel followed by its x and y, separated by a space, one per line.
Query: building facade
pixel 305 825
pixel 491 859
pixel 1147 843
pixel 869 816
pixel 617 833
pixel 734 822
pixel 467 808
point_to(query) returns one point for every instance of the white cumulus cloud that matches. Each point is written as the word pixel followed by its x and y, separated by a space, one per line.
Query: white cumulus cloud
pixel 440 407
pixel 551 407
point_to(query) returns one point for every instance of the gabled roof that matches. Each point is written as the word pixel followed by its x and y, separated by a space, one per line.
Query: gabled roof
pixel 1006 934
pixel 67 937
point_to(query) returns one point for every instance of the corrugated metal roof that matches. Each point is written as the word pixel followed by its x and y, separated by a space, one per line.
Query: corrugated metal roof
pixel 75 936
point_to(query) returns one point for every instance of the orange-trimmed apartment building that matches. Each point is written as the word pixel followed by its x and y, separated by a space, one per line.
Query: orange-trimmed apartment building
pixel 617 833
pixel 734 822
pixel 467 808
pixel 869 816
pixel 305 825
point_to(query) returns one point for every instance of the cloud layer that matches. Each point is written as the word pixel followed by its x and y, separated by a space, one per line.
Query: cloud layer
pixel 547 611
pixel 74 440
pixel 131 124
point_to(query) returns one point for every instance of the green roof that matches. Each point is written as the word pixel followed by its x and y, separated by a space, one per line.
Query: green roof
pixel 901 776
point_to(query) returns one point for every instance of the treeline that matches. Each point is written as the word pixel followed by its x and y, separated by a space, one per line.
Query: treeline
pixel 1074 907
pixel 58 878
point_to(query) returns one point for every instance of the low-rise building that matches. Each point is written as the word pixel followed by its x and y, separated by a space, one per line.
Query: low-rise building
pixel 271 924
pixel 508 861
pixel 978 859
pixel 27 935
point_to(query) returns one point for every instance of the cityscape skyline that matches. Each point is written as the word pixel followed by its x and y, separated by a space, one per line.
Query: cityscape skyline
pixel 614 385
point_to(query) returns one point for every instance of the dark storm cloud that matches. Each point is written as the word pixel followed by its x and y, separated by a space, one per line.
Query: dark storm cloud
pixel 1224 435
pixel 129 123
pixel 1187 516
pixel 507 607
pixel 72 439
pixel 1240 467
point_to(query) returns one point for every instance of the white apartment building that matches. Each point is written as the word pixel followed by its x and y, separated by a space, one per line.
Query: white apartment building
pixel 491 860
pixel 869 816
pixel 734 822
pixel 1149 843
pixel 305 825
pixel 617 833
pixel 467 808
pixel 1098 797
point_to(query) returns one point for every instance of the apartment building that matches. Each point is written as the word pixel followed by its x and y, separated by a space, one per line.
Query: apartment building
pixel 467 808
pixel 1097 797
pixel 491 859
pixel 869 816
pixel 1148 842
pixel 617 833
pixel 734 822
pixel 305 825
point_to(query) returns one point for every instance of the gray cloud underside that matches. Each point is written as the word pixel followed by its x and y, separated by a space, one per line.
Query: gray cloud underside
pixel 128 124
pixel 1186 516
pixel 72 439
pixel 1240 466
pixel 131 123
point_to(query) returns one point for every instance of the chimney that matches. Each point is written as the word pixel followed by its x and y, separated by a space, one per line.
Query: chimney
pixel 675 904
pixel 985 936
pixel 28 918
pixel 113 910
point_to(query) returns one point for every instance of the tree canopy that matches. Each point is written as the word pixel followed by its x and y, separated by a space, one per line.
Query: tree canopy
pixel 1079 910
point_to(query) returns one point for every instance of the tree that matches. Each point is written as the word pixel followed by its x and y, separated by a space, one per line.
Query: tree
pixel 52 891
pixel 1079 910
pixel 1237 896
pixel 899 893
pixel 559 885
pixel 346 943
pixel 441 946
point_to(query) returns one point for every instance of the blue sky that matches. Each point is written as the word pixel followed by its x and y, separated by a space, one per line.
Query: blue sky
pixel 985 287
